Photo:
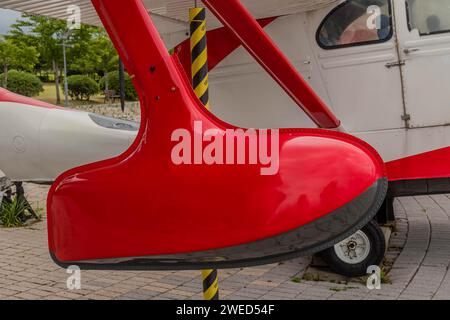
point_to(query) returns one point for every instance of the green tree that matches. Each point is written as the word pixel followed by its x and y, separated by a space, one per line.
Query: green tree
pixel 114 84
pixel 16 56
pixel 89 49
pixel 45 34
pixel 108 57
pixel 97 57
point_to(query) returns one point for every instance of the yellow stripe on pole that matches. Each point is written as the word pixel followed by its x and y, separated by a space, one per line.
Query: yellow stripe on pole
pixel 196 14
pixel 200 61
pixel 211 293
pixel 199 54
pixel 210 285
pixel 202 88
pixel 198 34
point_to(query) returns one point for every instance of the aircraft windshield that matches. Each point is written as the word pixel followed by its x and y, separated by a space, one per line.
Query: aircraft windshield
pixel 356 22
pixel 429 16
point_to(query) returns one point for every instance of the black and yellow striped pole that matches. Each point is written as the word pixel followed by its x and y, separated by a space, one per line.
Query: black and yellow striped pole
pixel 199 59
pixel 210 284
pixel 199 54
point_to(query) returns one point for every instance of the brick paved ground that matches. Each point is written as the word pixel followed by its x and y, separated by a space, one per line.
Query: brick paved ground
pixel 420 247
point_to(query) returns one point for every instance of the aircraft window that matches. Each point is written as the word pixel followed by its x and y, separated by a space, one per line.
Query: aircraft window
pixel 356 22
pixel 429 16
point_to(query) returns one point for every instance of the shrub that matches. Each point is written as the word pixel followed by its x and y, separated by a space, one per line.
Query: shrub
pixel 82 87
pixel 113 84
pixel 23 83
pixel 14 213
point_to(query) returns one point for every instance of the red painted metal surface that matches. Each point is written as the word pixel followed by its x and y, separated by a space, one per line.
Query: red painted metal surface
pixel 428 165
pixel 240 22
pixel 141 204
pixel 221 43
pixel 7 96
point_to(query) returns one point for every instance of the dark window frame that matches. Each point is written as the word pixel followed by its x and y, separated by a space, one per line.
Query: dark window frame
pixel 410 28
pixel 356 44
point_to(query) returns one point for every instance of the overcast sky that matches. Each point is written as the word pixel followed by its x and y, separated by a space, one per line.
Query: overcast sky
pixel 7 17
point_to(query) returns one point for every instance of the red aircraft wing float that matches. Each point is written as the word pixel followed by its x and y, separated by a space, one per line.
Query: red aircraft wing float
pixel 142 210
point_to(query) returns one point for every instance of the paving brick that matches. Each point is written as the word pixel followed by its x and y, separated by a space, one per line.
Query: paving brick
pixel 419 248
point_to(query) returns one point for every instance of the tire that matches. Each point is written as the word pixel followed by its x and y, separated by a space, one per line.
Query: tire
pixel 354 255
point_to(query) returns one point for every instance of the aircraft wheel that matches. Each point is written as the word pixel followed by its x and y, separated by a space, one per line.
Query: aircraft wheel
pixel 354 255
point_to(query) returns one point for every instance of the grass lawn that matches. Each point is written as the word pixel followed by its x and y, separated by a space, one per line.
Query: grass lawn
pixel 49 96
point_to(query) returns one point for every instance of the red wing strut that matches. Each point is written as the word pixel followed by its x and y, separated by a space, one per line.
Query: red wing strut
pixel 243 25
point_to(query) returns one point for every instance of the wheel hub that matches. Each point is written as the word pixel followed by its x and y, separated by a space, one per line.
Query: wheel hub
pixel 355 249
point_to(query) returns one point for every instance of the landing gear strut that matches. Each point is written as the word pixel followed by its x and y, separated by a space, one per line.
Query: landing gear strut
pixel 7 194
pixel 20 193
